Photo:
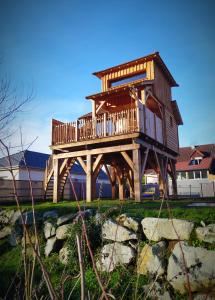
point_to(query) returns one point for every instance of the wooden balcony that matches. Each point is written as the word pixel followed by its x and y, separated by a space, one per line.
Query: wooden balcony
pixel 135 120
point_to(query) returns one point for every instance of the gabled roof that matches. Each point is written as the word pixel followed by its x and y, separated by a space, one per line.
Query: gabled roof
pixel 154 56
pixel 186 153
pixel 30 158
pixel 205 164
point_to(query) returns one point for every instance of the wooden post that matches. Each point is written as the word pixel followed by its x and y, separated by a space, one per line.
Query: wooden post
pixel 105 124
pixel 76 131
pixel 113 183
pixel 56 180
pixel 137 175
pixel 121 190
pixel 174 178
pixel 89 179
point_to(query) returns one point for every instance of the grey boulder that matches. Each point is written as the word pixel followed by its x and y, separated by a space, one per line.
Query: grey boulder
pixel 50 246
pixel 156 229
pixel 62 231
pixel 206 234
pixel 117 233
pixel 128 222
pixel 152 259
pixel 114 254
pixel 200 268
pixel 49 230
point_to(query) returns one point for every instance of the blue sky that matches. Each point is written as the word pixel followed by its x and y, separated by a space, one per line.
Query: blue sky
pixel 54 46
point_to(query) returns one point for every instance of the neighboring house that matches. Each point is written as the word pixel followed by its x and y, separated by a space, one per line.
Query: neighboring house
pixel 196 162
pixel 21 162
pixel 35 162
pixel 32 162
pixel 195 170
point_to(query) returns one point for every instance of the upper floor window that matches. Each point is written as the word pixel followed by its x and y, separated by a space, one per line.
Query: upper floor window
pixel 127 79
pixel 195 161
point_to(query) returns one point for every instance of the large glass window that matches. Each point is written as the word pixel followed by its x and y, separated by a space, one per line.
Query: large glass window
pixel 127 79
pixel 183 175
pixel 190 175
pixel 197 174
pixel 204 174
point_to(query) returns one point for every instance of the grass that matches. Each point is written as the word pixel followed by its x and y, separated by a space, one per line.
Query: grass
pixel 147 208
pixel 10 258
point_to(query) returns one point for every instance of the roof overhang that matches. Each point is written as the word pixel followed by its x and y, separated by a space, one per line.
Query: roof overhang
pixel 120 90
pixel 154 56
pixel 176 112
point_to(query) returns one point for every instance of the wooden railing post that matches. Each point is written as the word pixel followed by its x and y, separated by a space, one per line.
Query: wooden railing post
pixel 76 131
pixel 105 124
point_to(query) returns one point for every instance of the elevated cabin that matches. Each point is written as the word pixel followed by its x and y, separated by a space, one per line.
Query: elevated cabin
pixel 133 126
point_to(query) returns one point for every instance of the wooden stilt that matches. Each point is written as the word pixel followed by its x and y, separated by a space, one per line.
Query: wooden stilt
pixel 137 175
pixel 56 181
pixel 89 179
pixel 174 177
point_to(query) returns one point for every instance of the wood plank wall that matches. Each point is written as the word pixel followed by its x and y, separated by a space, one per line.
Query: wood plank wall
pixel 171 132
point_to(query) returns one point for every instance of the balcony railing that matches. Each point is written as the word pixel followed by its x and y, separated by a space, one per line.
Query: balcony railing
pixel 123 122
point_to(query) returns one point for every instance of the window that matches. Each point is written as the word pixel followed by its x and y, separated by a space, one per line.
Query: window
pixel 204 174
pixel 190 175
pixel 197 174
pixel 183 175
pixel 127 79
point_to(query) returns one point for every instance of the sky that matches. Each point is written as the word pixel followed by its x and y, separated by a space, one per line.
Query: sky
pixel 53 47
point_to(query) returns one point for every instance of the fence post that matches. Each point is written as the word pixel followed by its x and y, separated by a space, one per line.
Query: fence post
pixel 214 188
pixel 201 190
pixel 190 190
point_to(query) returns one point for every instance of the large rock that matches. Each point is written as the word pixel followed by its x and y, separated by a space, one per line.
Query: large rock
pixel 65 219
pixel 200 268
pixel 50 245
pixel 64 255
pixel 5 231
pixel 49 230
pixel 15 217
pixel 206 234
pixel 156 291
pixel 152 259
pixel 62 231
pixel 83 214
pixel 28 218
pixel 113 255
pixel 128 222
pixel 157 229
pixel 6 215
pixel 116 232
pixel 50 214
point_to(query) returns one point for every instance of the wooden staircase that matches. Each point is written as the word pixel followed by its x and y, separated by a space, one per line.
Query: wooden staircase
pixel 48 182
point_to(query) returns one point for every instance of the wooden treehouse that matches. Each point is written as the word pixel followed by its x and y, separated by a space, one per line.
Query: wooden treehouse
pixel 133 126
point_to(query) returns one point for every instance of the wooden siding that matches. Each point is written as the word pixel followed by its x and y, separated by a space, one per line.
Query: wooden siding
pixel 162 88
pixel 171 132
pixel 147 67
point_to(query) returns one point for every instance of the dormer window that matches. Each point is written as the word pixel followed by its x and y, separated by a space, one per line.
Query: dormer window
pixel 195 161
pixel 127 79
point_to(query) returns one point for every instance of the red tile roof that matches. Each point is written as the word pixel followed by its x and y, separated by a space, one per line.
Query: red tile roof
pixel 205 164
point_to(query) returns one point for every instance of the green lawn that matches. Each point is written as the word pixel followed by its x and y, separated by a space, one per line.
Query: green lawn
pixel 146 208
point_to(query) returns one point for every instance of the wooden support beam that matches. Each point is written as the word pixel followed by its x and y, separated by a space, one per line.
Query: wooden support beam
pixel 145 157
pixel 108 173
pixel 100 107
pixel 82 163
pixel 56 180
pixel 128 160
pixel 137 175
pixel 97 162
pixel 174 177
pixel 113 183
pixel 97 151
pixel 89 179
